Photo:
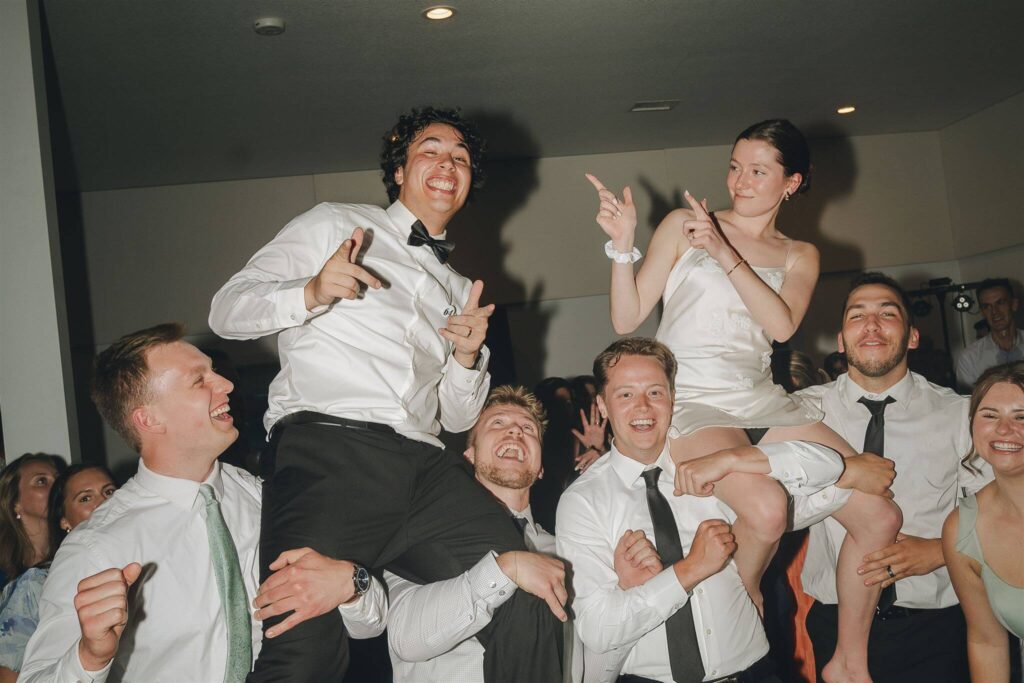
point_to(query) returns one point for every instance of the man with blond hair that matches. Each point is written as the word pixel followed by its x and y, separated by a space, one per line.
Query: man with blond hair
pixel 182 534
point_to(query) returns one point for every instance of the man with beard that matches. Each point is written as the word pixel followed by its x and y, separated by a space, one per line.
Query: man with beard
pixel 431 628
pixel 1003 344
pixel 918 632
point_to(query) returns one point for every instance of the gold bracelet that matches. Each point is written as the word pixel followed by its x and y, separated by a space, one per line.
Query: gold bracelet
pixel 738 264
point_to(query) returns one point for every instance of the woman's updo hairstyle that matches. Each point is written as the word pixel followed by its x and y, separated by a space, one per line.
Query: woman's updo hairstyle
pixel 789 142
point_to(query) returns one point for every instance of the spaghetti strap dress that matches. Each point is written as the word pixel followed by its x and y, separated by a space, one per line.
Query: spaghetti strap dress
pixel 1007 600
pixel 724 355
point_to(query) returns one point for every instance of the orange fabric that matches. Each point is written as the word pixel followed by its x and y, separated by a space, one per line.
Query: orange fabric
pixel 803 655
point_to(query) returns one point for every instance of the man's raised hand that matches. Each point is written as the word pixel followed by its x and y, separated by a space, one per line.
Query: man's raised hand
pixel 868 473
pixel 467 330
pixel 617 217
pixel 341 277
pixel 102 607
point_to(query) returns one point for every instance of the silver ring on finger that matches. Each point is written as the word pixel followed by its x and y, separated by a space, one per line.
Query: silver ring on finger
pixel 888 569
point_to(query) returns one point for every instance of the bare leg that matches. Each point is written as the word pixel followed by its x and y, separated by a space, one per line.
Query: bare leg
pixel 759 502
pixel 871 522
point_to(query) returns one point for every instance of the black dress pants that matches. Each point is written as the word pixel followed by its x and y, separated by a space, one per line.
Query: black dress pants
pixel 926 645
pixel 385 501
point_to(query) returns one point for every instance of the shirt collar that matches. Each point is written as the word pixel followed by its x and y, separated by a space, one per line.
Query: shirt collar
pixel 180 492
pixel 404 218
pixel 629 470
pixel 526 514
pixel 902 391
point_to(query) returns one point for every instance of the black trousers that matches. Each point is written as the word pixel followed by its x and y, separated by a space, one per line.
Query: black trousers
pixel 385 501
pixel 930 645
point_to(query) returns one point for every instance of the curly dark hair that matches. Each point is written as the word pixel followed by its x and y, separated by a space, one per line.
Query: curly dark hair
pixel 401 135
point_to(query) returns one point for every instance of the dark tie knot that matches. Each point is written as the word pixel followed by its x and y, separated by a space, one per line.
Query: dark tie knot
pixel 876 407
pixel 651 477
pixel 420 237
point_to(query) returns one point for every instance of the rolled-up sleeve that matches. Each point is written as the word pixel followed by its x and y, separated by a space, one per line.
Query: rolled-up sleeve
pixel 803 467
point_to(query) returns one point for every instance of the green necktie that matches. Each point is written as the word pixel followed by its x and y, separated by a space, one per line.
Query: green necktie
pixel 228 574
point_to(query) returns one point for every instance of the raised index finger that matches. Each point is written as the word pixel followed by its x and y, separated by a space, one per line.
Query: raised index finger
pixel 698 209
pixel 473 302
pixel 595 182
pixel 357 243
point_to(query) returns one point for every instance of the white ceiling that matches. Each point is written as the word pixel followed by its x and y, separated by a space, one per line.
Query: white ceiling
pixel 174 91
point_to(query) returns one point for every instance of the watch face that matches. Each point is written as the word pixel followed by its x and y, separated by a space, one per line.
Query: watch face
pixel 361 577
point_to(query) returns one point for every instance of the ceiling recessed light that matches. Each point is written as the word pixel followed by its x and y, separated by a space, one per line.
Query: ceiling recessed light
pixel 848 109
pixel 439 13
pixel 654 105
pixel 269 26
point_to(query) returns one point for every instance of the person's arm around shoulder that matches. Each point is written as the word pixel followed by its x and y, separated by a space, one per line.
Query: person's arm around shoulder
pixel 988 651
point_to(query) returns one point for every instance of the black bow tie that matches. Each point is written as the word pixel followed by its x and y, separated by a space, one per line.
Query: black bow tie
pixel 419 237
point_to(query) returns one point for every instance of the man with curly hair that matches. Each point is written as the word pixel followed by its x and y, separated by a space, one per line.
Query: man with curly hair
pixel 381 345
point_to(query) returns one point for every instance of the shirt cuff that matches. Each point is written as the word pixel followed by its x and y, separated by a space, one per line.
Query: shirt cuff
pixel 803 467
pixel 468 379
pixel 488 583
pixel 664 593
pixel 293 303
pixel 79 673
pixel 808 510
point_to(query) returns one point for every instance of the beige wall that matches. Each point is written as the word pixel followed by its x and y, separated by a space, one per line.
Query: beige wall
pixel 983 157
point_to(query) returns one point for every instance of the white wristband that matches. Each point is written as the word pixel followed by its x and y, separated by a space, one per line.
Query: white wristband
pixel 621 257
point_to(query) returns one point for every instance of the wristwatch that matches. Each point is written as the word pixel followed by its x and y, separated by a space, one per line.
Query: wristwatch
pixel 360 579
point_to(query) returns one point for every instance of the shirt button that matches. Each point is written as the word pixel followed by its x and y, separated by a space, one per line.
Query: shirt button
pixel 700 591
pixel 501 592
pixel 707 632
pixel 714 671
pixel 492 584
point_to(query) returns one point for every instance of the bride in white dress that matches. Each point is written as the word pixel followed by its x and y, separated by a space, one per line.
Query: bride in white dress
pixel 731 282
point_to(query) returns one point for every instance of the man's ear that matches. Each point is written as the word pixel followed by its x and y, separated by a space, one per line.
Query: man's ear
pixel 914 338
pixel 602 407
pixel 839 342
pixel 470 454
pixel 399 175
pixel 144 420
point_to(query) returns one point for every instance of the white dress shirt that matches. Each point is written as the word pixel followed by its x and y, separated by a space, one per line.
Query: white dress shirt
pixel 982 354
pixel 176 629
pixel 378 358
pixel 609 498
pixel 431 627
pixel 926 435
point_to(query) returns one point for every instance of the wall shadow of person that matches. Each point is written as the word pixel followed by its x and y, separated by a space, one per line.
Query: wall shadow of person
pixel 480 232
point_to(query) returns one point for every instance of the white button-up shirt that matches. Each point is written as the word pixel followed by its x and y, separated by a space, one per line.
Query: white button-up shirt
pixel 378 358
pixel 926 435
pixel 609 498
pixel 982 354
pixel 176 629
pixel 431 627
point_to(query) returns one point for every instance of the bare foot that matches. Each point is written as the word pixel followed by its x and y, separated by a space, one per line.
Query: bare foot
pixel 839 671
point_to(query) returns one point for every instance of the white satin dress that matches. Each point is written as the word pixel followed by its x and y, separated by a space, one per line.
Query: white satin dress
pixel 724 377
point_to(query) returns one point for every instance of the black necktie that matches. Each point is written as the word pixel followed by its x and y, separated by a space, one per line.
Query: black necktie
pixel 520 524
pixel 419 237
pixel 874 442
pixel 683 650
